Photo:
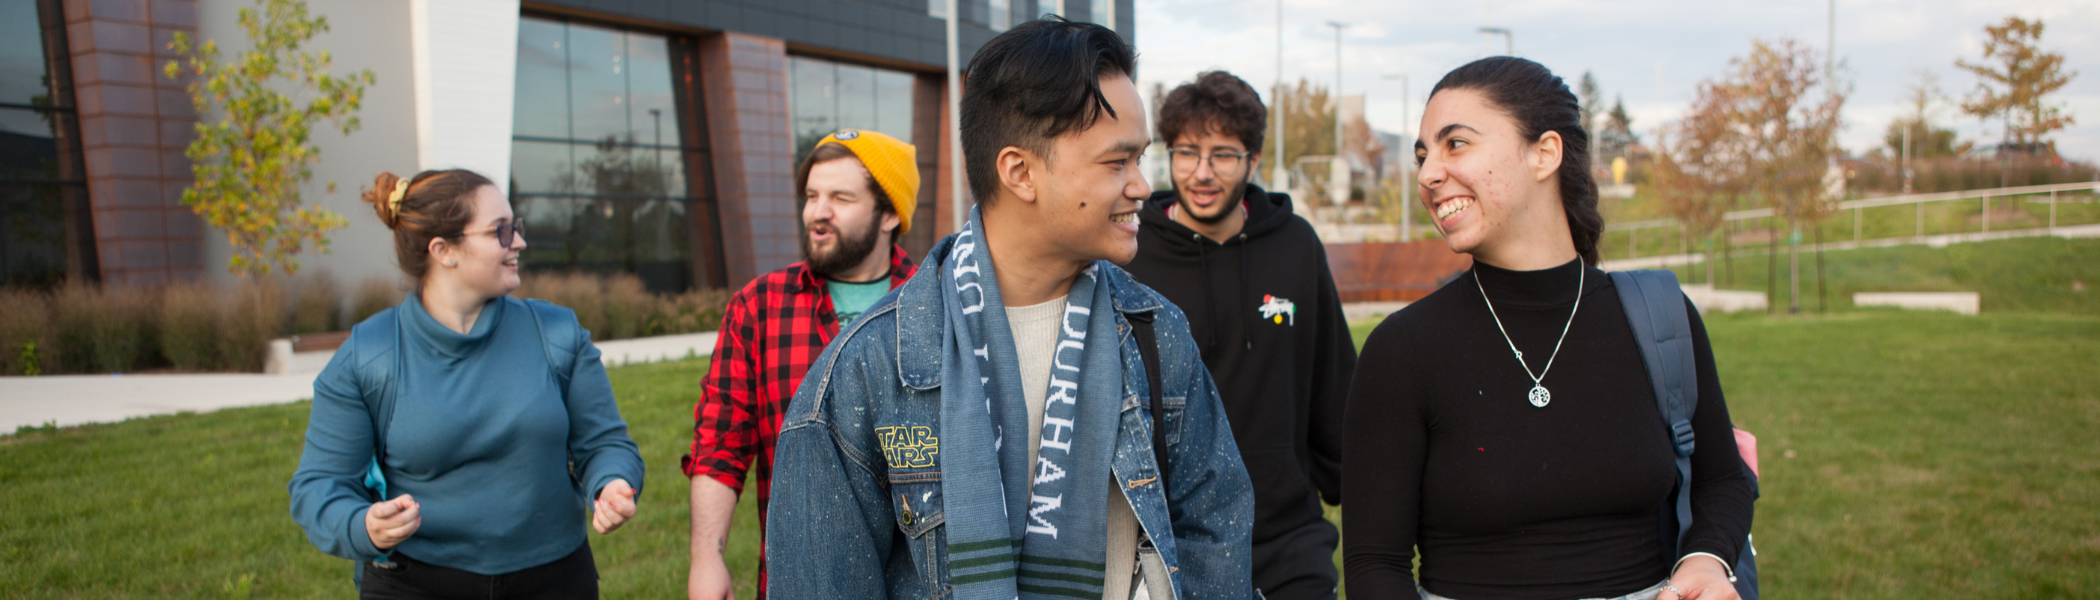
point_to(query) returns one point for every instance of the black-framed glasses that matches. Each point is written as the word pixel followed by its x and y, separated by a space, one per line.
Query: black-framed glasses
pixel 1184 160
pixel 506 232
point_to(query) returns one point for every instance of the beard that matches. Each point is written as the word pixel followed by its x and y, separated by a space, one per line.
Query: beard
pixel 846 253
pixel 1231 203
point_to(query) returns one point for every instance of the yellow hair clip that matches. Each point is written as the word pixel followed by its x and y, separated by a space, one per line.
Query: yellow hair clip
pixel 394 201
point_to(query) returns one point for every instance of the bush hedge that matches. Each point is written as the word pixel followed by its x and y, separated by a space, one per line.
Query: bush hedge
pixel 201 327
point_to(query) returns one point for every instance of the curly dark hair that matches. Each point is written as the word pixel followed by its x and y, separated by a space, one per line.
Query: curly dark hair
pixel 1216 102
pixel 1540 102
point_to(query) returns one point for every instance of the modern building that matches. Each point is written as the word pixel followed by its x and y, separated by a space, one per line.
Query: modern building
pixel 656 137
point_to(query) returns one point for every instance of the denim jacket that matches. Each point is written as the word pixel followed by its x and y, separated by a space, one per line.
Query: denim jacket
pixel 857 502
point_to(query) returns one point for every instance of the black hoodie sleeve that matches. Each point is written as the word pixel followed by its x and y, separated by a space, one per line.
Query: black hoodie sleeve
pixel 1334 364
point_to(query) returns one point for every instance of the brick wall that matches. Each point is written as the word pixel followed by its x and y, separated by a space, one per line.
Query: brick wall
pixel 134 125
pixel 1393 271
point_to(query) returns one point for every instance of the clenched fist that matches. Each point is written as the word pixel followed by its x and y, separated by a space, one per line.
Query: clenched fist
pixel 392 521
pixel 615 504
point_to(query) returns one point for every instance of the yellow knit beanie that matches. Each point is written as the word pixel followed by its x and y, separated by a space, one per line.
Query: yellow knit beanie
pixel 893 163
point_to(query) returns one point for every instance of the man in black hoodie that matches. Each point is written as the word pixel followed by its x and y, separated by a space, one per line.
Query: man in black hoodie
pixel 1253 279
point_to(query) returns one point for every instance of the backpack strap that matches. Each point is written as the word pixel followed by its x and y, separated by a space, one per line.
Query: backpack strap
pixel 1148 349
pixel 380 406
pixel 1655 310
pixel 558 344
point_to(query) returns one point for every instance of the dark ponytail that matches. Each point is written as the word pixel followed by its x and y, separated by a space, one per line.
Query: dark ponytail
pixel 1540 102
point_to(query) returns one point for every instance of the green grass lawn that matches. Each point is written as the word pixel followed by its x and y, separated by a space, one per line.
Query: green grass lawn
pixel 1904 455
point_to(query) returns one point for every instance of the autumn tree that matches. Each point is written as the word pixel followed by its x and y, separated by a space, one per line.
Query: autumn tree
pixel 2014 80
pixel 254 149
pixel 1308 113
pixel 1704 174
pixel 1766 130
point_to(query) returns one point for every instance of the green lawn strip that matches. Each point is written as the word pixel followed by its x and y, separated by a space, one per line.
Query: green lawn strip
pixel 186 506
pixel 1934 455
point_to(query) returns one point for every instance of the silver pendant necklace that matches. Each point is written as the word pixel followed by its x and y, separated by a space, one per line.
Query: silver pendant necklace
pixel 1539 396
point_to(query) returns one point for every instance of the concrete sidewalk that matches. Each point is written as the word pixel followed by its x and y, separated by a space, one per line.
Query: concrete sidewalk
pixel 69 400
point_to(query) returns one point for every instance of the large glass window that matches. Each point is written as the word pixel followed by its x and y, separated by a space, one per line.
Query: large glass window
pixel 600 153
pixel 827 96
pixel 43 217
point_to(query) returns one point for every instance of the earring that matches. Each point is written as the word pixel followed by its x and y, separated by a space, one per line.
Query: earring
pixel 451 263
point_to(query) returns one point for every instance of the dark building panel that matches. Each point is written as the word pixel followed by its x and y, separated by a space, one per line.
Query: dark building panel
pixel 889 30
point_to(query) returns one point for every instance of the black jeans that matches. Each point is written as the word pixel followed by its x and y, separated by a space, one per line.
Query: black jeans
pixel 572 577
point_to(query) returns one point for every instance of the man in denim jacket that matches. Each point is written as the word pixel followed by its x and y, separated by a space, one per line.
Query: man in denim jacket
pixel 985 430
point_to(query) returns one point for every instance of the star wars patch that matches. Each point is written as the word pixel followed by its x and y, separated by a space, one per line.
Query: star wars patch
pixel 909 447
pixel 1278 310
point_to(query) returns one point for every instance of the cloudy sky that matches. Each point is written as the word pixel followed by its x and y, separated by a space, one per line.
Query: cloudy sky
pixel 1650 52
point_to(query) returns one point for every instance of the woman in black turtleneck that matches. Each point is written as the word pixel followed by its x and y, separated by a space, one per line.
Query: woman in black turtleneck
pixel 1446 452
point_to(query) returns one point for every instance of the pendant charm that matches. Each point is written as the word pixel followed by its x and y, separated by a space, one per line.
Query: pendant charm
pixel 1539 396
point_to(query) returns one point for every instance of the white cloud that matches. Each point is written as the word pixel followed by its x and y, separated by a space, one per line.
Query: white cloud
pixel 1649 52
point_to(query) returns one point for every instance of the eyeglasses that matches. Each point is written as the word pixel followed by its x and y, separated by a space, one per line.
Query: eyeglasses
pixel 1184 160
pixel 506 232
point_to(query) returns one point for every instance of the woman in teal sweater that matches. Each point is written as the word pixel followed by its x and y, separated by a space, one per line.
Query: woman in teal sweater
pixel 490 418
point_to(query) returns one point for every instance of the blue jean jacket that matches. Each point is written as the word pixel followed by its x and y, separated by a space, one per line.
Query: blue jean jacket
pixel 857 502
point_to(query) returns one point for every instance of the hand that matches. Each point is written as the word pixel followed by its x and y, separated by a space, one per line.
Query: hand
pixel 709 580
pixel 391 522
pixel 1701 578
pixel 615 504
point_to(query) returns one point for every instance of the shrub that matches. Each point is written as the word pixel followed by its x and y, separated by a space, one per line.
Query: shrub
pixel 318 307
pixel 618 307
pixel 374 295
pixel 190 327
pixel 101 331
pixel 691 312
pixel 258 315
pixel 627 306
pixel 25 331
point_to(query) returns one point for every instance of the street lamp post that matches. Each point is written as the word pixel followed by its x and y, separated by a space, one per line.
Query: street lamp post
pixel 1338 27
pixel 1279 175
pixel 1407 184
pixel 1509 40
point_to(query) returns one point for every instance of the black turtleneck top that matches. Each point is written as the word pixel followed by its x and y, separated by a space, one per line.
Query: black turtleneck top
pixel 1510 501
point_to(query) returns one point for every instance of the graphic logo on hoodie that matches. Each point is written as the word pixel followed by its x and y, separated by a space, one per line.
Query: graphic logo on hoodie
pixel 1278 309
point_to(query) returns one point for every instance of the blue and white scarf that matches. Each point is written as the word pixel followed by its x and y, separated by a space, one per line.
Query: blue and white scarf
pixel 1017 530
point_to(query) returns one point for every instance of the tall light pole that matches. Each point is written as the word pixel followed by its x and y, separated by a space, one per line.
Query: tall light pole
pixel 1279 175
pixel 1509 40
pixel 1338 27
pixel 1407 184
pixel 955 149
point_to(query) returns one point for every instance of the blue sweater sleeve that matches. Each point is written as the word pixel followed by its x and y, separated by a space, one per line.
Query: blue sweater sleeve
pixel 328 495
pixel 598 438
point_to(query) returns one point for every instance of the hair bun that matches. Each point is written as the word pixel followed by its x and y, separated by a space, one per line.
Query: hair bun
pixel 381 197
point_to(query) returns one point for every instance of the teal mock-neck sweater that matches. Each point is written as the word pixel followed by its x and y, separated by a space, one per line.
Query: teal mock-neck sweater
pixel 482 434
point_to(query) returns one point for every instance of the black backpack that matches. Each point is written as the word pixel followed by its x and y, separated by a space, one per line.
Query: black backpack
pixel 1655 308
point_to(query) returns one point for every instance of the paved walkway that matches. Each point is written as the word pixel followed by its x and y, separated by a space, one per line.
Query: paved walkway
pixel 68 400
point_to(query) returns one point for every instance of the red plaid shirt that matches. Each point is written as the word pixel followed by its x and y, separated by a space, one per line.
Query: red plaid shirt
pixel 772 331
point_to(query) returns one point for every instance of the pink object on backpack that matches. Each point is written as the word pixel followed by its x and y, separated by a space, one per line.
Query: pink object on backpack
pixel 1746 444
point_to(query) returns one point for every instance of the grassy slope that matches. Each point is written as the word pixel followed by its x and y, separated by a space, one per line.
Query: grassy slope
pixel 2020 275
pixel 1933 455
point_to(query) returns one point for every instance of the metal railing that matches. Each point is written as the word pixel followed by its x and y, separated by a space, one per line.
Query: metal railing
pixel 1858 208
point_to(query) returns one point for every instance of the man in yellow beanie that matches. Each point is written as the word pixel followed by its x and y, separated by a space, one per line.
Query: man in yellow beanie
pixel 857 190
